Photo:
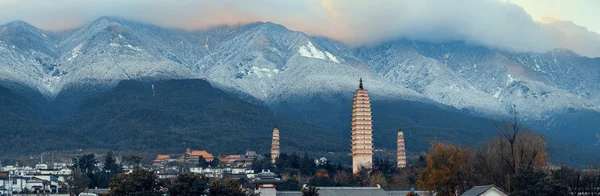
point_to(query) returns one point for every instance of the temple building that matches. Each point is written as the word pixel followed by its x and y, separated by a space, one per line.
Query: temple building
pixel 266 183
pixel 362 130
pixel 194 156
pixel 275 146
pixel 401 150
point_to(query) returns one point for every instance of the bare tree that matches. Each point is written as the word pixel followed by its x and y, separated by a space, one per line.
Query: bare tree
pixel 515 149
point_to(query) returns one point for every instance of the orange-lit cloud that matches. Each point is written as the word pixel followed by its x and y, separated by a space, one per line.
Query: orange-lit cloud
pixel 493 23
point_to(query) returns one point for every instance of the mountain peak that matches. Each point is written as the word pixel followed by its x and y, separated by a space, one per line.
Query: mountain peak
pixel 19 24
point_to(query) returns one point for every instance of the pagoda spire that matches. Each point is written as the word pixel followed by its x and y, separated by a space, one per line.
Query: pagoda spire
pixel 360 86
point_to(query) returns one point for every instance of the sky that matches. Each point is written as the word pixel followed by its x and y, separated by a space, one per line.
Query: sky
pixel 515 25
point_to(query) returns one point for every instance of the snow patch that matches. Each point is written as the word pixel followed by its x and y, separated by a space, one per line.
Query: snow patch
pixel 509 79
pixel 75 52
pixel 310 51
pixel 133 48
pixel 120 36
pixel 114 45
pixel 264 72
pixel 331 57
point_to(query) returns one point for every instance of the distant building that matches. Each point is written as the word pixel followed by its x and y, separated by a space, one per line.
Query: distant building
pixel 275 146
pixel 338 191
pixel 401 153
pixel 236 160
pixel 161 159
pixel 194 155
pixel 487 190
pixel 362 130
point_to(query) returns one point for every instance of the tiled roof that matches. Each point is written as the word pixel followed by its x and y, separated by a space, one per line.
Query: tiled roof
pixel 202 153
pixel 341 191
pixel 229 157
pixel 163 156
pixel 479 190
pixel 194 154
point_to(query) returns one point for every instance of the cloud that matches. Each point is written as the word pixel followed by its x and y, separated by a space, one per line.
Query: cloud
pixel 493 23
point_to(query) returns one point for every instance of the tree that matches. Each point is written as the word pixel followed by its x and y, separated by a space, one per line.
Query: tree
pixel 447 169
pixel 139 182
pixel 571 178
pixel 87 163
pixel 77 183
pixel 263 163
pixel 579 182
pixel 189 184
pixel 310 191
pixel 404 179
pixel 535 183
pixel 342 178
pixel 515 149
pixel 282 161
pixel 110 164
pixel 321 178
pixel 307 165
pixel 136 158
pixel 202 162
pixel 384 166
pixel 227 187
pixel 378 178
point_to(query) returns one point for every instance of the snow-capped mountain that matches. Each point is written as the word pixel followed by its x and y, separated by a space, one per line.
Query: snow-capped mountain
pixel 534 85
pixel 274 65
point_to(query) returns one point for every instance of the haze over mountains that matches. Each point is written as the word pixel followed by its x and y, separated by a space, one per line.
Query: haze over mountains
pixel 310 78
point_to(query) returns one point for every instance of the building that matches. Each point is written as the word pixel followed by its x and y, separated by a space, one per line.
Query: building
pixel 10 183
pixel 266 182
pixel 236 160
pixel 487 190
pixel 161 159
pixel 362 130
pixel 338 191
pixel 194 155
pixel 275 146
pixel 401 153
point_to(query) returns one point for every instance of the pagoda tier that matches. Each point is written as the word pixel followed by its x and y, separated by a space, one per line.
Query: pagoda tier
pixel 362 128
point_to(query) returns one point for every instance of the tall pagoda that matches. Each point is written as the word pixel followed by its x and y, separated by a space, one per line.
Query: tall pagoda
pixel 401 150
pixel 362 136
pixel 275 146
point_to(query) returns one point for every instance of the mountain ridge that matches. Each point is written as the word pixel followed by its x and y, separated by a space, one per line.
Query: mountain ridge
pixel 300 75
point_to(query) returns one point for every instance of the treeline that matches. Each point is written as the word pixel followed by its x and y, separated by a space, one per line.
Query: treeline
pixel 297 169
pixel 516 161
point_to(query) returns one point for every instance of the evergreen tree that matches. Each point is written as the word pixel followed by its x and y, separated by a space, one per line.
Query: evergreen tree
pixel 110 164
pixel 189 185
pixel 307 165
pixel 87 163
pixel 139 182
pixel 227 187
pixel 77 183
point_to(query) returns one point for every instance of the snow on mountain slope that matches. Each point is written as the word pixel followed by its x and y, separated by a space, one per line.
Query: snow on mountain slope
pixel 274 64
pixel 27 55
pixel 404 66
pixel 522 87
pixel 109 50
